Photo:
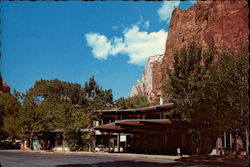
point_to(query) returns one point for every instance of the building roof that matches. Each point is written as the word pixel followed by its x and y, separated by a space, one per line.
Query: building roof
pixel 144 109
pixel 127 124
pixel 55 131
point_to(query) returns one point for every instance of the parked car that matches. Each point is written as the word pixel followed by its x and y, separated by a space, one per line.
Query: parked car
pixel 101 148
pixel 10 143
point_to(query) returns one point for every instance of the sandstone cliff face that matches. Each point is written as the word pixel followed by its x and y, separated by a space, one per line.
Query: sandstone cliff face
pixel 4 88
pixel 138 89
pixel 223 22
pixel 150 79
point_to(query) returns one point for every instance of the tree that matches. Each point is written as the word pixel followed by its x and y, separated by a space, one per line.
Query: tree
pixel 210 95
pixel 229 80
pixel 132 102
pixel 186 87
pixel 9 116
pixel 51 101
pixel 92 88
pixel 121 103
pixel 54 104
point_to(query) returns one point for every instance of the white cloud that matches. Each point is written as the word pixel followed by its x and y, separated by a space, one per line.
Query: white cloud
pixel 146 24
pixel 140 21
pixel 193 1
pixel 166 9
pixel 138 45
pixel 100 45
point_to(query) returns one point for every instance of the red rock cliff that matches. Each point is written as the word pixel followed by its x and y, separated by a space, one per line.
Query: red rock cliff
pixel 4 88
pixel 149 84
pixel 223 22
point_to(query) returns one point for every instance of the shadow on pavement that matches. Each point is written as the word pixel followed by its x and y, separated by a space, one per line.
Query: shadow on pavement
pixel 123 164
pixel 218 160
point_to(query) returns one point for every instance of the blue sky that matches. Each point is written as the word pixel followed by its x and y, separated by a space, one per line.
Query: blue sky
pixel 72 41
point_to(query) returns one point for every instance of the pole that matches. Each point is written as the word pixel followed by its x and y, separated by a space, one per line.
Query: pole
pixel 118 142
pixel 230 139
pixel 63 141
pixel 225 140
pixel 247 142
pixel 109 142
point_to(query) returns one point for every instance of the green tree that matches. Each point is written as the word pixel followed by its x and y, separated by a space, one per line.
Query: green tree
pixel 132 102
pixel 229 83
pixel 50 101
pixel 92 88
pixel 55 104
pixel 9 116
pixel 121 103
pixel 59 105
pixel 186 87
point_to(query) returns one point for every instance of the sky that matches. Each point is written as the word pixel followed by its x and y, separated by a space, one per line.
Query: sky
pixel 74 40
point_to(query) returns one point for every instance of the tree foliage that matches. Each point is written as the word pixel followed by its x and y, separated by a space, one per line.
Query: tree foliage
pixel 55 105
pixel 210 94
pixel 187 80
pixel 132 102
pixel 229 94
pixel 9 115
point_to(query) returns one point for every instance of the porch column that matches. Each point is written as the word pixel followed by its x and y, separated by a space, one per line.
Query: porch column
pixel 62 141
pixel 143 116
pixel 161 115
pixel 230 140
pixel 225 140
pixel 102 139
pixel 247 142
pixel 183 140
pixel 94 144
pixel 125 147
pixel 118 142
pixel 109 142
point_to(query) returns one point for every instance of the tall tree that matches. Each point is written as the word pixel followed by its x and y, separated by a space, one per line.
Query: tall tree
pixel 229 80
pixel 91 87
pixel 186 87
pixel 9 115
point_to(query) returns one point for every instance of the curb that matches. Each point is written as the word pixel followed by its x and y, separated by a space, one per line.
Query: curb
pixel 131 155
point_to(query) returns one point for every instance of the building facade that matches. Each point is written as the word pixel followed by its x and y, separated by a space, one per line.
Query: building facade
pixel 150 130
pixel 144 130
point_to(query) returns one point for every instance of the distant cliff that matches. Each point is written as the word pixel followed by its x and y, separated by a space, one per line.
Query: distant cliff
pixel 4 88
pixel 225 23
pixel 150 79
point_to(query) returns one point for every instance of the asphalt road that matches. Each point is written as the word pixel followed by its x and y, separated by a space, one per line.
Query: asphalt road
pixel 36 159
pixel 20 158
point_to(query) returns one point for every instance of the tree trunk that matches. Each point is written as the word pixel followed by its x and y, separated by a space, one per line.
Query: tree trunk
pixel 236 148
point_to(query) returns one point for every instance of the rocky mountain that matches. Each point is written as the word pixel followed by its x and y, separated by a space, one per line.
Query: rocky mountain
pixel 4 88
pixel 149 84
pixel 223 22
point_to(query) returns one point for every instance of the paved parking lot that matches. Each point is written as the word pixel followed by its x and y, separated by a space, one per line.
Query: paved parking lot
pixel 52 159
pixel 43 159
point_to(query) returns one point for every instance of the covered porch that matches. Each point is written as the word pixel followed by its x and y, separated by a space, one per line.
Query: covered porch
pixel 155 136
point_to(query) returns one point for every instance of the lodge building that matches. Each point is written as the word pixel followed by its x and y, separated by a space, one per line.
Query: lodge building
pixel 151 130
pixel 143 130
